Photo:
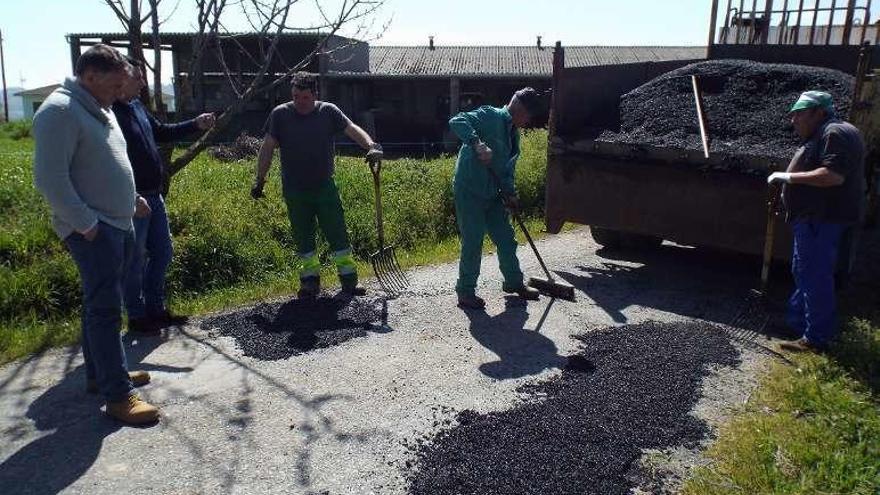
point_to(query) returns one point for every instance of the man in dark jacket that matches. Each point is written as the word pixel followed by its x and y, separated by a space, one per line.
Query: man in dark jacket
pixel 145 281
pixel 824 194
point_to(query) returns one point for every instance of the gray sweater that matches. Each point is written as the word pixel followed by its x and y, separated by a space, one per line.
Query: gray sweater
pixel 80 162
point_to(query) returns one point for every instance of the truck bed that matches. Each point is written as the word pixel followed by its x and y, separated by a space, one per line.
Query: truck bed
pixel 676 195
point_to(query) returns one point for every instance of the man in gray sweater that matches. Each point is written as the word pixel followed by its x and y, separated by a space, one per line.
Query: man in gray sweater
pixel 82 169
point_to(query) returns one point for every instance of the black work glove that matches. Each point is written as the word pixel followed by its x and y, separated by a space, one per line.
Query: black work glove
pixel 375 154
pixel 257 190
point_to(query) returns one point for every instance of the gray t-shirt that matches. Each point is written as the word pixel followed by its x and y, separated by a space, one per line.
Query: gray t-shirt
pixel 306 143
pixel 837 145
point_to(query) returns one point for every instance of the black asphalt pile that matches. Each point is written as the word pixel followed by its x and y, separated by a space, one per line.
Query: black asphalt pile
pixel 631 388
pixel 746 104
pixel 280 330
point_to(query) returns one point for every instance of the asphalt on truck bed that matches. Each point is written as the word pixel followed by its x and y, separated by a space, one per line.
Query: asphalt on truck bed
pixel 746 104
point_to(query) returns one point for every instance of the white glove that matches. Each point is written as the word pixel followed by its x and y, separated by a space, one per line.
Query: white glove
pixel 484 152
pixel 779 177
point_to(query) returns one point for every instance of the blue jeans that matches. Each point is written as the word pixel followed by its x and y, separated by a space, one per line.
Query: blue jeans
pixel 102 265
pixel 145 283
pixel 811 308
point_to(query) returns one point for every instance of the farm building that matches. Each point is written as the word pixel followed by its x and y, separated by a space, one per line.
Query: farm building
pixel 401 94
pixel 33 98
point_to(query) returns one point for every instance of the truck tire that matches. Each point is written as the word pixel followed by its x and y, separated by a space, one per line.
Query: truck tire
pixel 607 238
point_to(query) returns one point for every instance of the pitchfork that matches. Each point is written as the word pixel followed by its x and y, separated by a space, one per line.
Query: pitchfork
pixel 385 265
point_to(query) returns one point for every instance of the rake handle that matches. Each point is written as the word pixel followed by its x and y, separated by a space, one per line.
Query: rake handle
pixel 375 167
pixel 519 222
pixel 701 115
pixel 772 200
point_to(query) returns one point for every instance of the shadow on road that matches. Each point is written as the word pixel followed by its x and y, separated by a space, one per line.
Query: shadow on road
pixel 675 279
pixel 521 351
pixel 76 427
pixel 311 425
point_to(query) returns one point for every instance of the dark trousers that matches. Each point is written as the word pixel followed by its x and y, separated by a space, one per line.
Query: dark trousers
pixel 102 265
pixel 145 281
pixel 812 306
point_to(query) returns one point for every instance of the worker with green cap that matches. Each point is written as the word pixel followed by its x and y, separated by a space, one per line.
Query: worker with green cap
pixel 490 139
pixel 304 129
pixel 823 192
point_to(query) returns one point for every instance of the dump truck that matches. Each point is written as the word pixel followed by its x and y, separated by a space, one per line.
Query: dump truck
pixel 639 195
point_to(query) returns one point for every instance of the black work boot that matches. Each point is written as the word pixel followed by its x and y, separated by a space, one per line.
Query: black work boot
pixel 309 287
pixel 143 327
pixel 349 285
pixel 471 301
pixel 166 318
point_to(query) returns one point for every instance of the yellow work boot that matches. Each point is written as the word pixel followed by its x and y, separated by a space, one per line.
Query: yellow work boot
pixel 138 379
pixel 133 411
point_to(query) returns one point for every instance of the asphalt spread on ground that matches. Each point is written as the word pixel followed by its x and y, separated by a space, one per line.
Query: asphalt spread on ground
pixel 278 330
pixel 631 388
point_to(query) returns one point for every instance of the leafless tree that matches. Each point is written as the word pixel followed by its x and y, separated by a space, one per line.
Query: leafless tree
pixel 133 21
pixel 270 20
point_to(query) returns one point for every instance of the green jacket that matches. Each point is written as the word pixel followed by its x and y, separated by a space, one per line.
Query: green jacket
pixel 494 127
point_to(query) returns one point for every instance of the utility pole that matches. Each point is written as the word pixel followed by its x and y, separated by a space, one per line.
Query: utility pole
pixel 3 73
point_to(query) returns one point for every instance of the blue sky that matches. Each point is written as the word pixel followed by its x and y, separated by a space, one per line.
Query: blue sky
pixel 37 52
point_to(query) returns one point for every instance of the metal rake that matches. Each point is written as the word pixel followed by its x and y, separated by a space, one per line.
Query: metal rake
pixel 384 261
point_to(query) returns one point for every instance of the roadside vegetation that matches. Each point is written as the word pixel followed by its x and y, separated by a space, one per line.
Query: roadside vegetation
pixel 811 428
pixel 229 249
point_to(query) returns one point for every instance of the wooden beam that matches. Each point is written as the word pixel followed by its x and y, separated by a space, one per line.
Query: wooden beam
pixel 75 51
pixel 454 96
pixel 556 96
pixel 713 22
pixel 768 14
pixel 847 25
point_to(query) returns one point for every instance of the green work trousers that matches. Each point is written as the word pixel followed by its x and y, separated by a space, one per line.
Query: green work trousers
pixel 477 216
pixel 320 207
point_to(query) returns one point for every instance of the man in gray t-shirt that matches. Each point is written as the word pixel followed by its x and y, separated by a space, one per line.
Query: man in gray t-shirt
pixel 304 129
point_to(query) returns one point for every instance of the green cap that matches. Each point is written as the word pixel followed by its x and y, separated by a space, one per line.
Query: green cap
pixel 812 99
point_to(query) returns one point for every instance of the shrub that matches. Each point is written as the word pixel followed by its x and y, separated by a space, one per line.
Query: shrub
pixel 223 238
pixel 17 129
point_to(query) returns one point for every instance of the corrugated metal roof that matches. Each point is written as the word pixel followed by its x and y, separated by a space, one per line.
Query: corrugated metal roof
pixel 124 36
pixel 41 91
pixel 511 60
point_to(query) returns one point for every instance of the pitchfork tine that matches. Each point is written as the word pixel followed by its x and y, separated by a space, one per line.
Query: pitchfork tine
pixel 385 280
pixel 397 267
pixel 392 275
pixel 401 281
pixel 387 285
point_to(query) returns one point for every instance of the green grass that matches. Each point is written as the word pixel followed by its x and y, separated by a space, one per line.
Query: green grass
pixel 229 249
pixel 16 130
pixel 812 428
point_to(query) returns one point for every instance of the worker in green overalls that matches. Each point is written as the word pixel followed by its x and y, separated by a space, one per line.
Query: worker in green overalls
pixel 304 129
pixel 490 139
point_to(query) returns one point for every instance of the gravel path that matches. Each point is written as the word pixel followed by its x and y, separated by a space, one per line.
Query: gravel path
pixel 350 414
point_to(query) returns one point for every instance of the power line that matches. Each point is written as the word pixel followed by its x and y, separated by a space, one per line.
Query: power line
pixel 3 72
